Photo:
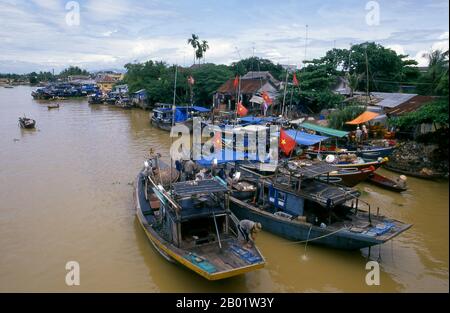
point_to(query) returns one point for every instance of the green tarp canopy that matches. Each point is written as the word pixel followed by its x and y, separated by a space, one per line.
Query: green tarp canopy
pixel 325 130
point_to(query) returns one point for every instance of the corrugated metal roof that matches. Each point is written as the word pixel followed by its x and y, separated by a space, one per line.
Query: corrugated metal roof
pixel 392 100
pixel 411 105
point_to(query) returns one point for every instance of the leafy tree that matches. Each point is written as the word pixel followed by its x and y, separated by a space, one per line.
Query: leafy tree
pixel 435 80
pixel 73 70
pixel 208 78
pixel 258 64
pixel 338 118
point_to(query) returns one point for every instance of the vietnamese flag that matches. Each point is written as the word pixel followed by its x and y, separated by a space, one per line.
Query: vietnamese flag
pixel 294 80
pixel 241 110
pixel 236 82
pixel 266 98
pixel 287 143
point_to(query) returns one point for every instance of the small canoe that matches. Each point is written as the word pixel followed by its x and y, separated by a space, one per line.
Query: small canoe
pixel 384 182
pixel 56 106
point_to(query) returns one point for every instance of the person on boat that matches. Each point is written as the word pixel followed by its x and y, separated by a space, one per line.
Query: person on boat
pixel 190 169
pixel 401 181
pixel 358 134
pixel 248 231
pixel 365 133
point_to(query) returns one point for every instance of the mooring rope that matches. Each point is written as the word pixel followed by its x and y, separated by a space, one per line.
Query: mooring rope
pixel 317 238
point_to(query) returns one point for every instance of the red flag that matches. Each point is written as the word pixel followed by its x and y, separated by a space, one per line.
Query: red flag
pixel 241 110
pixel 266 98
pixel 287 143
pixel 191 80
pixel 294 80
pixel 218 140
pixel 236 82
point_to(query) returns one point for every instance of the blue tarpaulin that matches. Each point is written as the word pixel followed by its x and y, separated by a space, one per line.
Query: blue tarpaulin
pixel 180 115
pixel 257 120
pixel 305 139
pixel 199 109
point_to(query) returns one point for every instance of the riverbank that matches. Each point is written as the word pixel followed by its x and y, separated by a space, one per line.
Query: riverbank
pixel 421 158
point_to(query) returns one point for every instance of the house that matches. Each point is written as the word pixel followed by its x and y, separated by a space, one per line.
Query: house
pixel 252 85
pixel 106 83
pixel 140 99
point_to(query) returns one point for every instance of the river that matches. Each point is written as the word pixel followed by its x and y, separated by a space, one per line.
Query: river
pixel 66 194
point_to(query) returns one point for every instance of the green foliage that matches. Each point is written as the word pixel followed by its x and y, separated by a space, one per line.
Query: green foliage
pixel 73 70
pixel 258 64
pixel 338 118
pixel 434 112
pixel 435 80
pixel 157 78
pixel 208 78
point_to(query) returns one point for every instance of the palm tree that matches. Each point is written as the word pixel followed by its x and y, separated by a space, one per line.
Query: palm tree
pixel 204 46
pixel 193 41
pixel 353 82
pixel 437 69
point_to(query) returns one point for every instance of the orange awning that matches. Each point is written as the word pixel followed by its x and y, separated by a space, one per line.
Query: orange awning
pixel 365 117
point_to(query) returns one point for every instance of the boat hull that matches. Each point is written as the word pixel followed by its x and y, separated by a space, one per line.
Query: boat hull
pixel 384 182
pixel 169 251
pixel 303 232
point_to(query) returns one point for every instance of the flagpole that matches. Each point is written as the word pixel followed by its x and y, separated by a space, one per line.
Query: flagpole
pixel 173 122
pixel 238 100
pixel 284 95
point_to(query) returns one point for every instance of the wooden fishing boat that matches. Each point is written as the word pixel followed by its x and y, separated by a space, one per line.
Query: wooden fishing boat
pixel 191 224
pixel 415 174
pixel 26 122
pixel 365 152
pixel 350 177
pixel 295 205
pixel 55 106
pixel 384 182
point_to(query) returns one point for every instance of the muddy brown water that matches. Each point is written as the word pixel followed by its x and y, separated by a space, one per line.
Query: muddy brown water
pixel 66 194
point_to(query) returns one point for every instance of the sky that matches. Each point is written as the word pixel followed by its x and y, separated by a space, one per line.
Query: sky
pixel 43 35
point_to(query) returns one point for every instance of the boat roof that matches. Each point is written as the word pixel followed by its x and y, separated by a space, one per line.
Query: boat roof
pixel 303 138
pixel 324 130
pixel 195 187
pixel 257 120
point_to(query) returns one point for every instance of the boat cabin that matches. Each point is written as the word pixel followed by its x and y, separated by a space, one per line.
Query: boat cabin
pixel 197 213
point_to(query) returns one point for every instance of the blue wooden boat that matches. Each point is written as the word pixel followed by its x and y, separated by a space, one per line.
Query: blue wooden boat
pixel 295 205
pixel 162 117
pixel 190 223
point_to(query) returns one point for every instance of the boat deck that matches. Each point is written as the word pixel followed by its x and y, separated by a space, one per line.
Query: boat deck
pixel 231 256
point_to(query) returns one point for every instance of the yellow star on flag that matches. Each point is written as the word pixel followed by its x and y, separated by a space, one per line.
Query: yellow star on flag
pixel 283 142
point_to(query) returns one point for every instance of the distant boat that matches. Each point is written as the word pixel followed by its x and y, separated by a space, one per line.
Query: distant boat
pixel 26 122
pixel 8 86
pixel 190 223
pixel 55 106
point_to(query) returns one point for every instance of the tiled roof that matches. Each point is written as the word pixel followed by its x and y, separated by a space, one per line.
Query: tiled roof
pixel 248 86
